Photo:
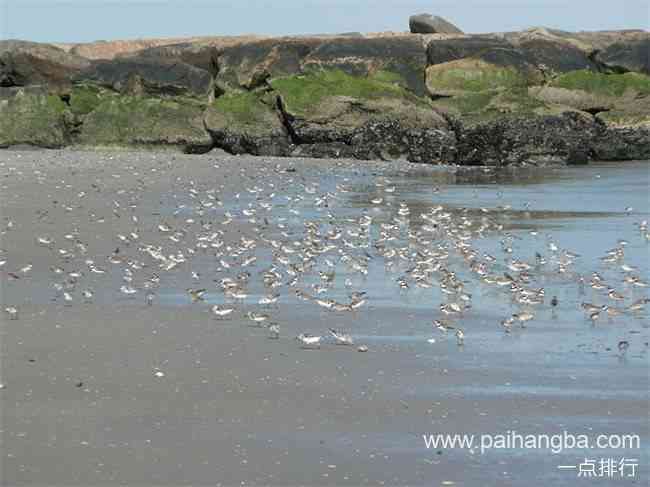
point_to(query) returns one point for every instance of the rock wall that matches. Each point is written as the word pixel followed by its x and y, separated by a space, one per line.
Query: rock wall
pixel 509 98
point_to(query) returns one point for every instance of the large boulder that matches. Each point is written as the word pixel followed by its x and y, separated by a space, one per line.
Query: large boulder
pixel 31 116
pixel 617 98
pixel 402 59
pixel 430 24
pixel 517 140
pixel 477 64
pixel 331 111
pixel 29 63
pixel 153 76
pixel 199 55
pixel 122 120
pixel 472 75
pixel 445 50
pixel 578 99
pixel 398 59
pixel 247 123
pixel 622 143
pixel 556 57
pixel 632 55
pixel 248 66
pixel 571 137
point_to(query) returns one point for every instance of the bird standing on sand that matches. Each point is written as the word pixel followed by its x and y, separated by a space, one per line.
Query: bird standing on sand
pixel 12 311
pixel 221 311
pixel 342 338
pixel 460 337
pixel 308 341
pixel 274 331
pixel 196 294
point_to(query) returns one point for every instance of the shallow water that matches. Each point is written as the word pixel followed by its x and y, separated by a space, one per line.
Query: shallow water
pixel 560 372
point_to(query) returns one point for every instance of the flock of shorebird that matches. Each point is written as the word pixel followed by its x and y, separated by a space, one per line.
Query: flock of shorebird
pixel 308 258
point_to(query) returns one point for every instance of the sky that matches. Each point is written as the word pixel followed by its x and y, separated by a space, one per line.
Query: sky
pixel 89 20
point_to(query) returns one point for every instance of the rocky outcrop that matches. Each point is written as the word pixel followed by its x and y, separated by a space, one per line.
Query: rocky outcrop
pixel 28 63
pixel 144 121
pixel 627 56
pixel 32 116
pixel 111 49
pixel 400 58
pixel 243 123
pixel 511 98
pixel 151 76
pixel 247 66
pixel 430 24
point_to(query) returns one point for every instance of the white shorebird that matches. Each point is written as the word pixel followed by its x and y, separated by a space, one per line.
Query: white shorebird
pixel 309 341
pixel 257 317
pixel 196 294
pixel 442 326
pixel 460 337
pixel 274 331
pixel 342 338
pixel 12 311
pixel 221 311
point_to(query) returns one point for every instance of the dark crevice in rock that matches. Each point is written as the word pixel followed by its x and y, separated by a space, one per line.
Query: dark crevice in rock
pixel 65 98
pixel 596 110
pixel 287 121
pixel 191 148
pixel 216 90
pixel 456 127
pixel 215 139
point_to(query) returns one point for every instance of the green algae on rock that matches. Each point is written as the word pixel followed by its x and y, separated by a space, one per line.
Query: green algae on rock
pixel 33 118
pixel 143 121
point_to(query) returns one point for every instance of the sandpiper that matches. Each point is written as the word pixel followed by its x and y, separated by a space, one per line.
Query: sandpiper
pixel 460 337
pixel 221 311
pixel 442 326
pixel 274 331
pixel 309 341
pixel 341 338
pixel 12 311
pixel 196 294
pixel 257 317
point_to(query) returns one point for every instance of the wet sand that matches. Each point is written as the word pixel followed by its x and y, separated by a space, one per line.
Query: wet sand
pixel 82 403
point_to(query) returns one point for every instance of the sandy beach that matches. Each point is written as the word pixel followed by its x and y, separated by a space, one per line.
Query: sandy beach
pixel 108 390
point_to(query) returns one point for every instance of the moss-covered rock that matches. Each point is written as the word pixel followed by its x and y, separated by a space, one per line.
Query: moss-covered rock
pixel 246 122
pixel 303 96
pixel 578 99
pixel 616 85
pixel 83 99
pixel 473 108
pixel 331 111
pixel 141 121
pixel 402 58
pixel 33 118
pixel 471 76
